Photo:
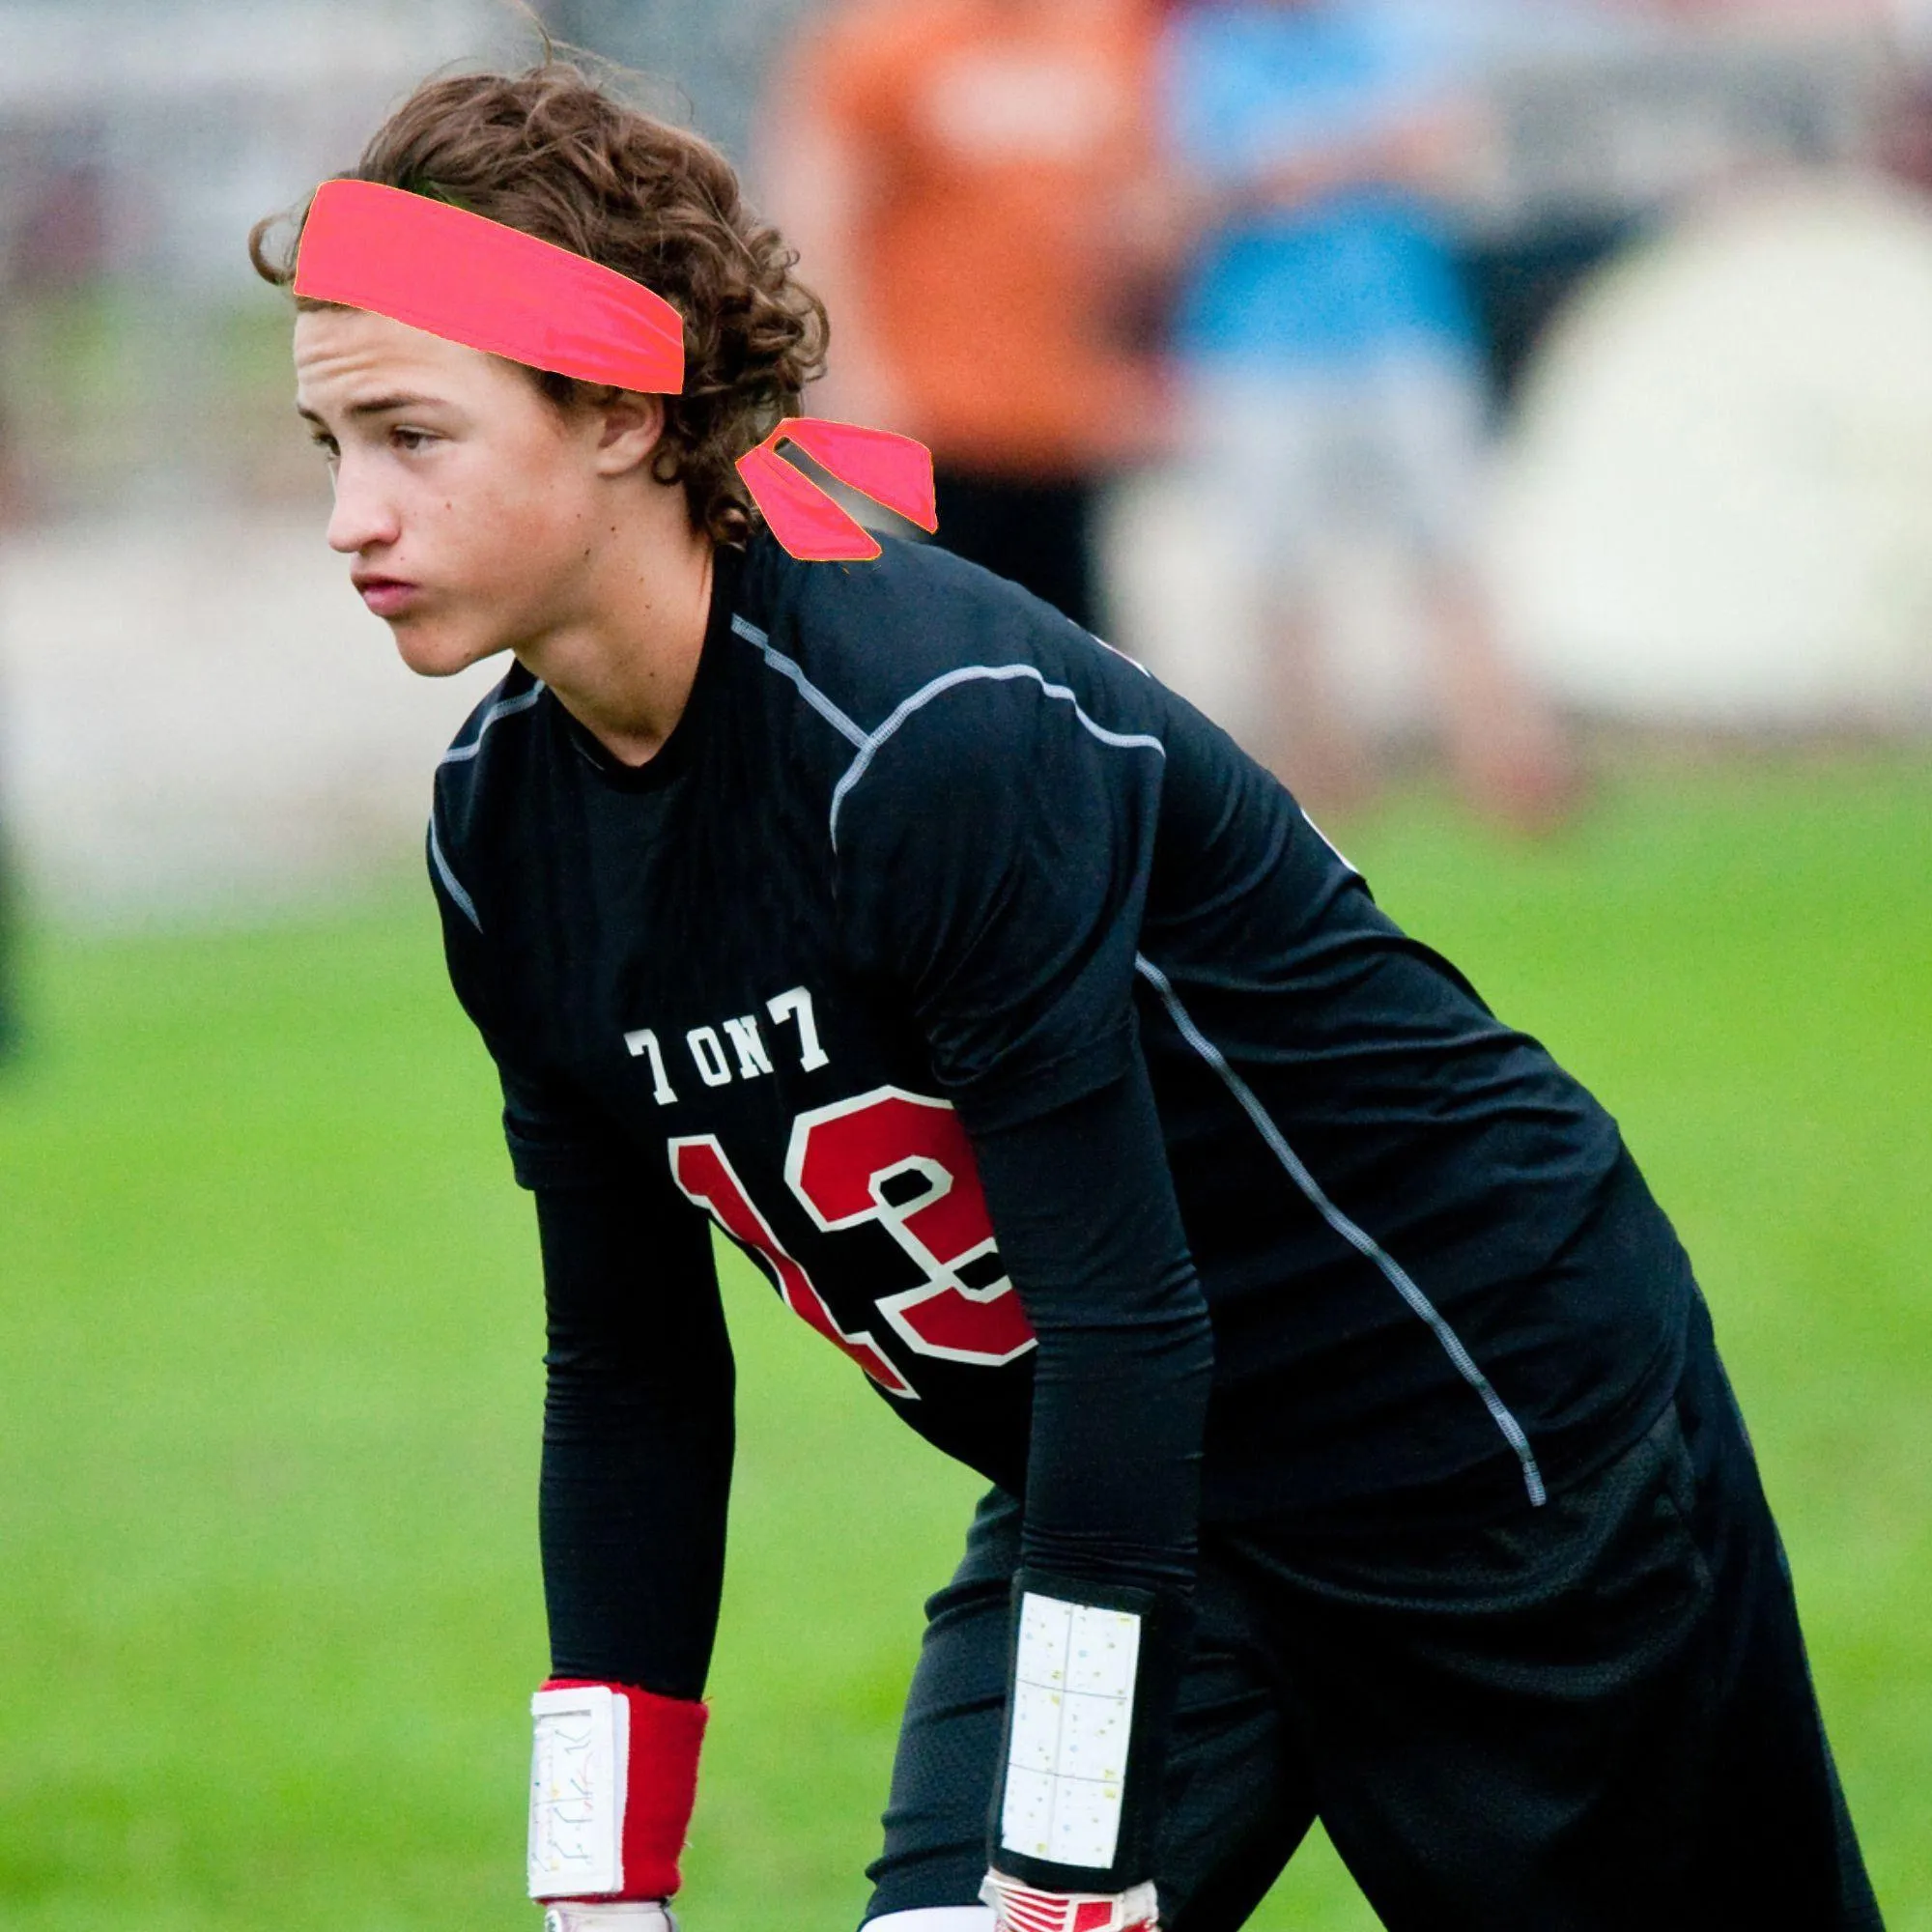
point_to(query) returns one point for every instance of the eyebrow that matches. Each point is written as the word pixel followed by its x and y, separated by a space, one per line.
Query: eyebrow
pixel 375 406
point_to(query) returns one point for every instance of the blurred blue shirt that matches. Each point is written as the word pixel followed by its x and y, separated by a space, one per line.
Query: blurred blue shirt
pixel 1357 275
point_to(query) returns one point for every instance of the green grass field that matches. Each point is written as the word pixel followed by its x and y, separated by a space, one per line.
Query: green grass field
pixel 271 1328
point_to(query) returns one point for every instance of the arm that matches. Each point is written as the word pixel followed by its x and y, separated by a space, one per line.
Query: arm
pixel 1429 149
pixel 1246 152
pixel 994 862
pixel 636 1471
pixel 637 1446
pixel 636 1461
pixel 1084 1207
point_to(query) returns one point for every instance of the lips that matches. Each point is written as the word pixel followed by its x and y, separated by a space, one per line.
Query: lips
pixel 387 596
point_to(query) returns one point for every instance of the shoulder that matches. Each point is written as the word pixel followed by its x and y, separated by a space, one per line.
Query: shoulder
pixel 955 691
pixel 919 630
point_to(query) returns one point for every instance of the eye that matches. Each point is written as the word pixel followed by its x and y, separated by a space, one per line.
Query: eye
pixel 325 443
pixel 411 441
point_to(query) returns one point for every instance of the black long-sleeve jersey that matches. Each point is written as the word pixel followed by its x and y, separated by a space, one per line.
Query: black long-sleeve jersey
pixel 1052 1066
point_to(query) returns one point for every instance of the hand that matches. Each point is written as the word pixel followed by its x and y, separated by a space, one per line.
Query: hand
pixel 1018 1907
pixel 630 1915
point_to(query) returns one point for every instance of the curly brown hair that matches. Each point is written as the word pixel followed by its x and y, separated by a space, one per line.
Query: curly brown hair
pixel 552 153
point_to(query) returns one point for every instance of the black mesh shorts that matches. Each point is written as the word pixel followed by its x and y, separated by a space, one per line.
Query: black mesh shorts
pixel 1596 1715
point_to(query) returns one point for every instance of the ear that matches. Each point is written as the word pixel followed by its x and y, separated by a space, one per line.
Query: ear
pixel 628 428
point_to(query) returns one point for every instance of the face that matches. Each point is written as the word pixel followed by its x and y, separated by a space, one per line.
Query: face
pixel 470 508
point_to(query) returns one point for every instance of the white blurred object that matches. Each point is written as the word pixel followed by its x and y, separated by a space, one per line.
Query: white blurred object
pixel 197 713
pixel 1180 599
pixel 1718 505
pixel 1912 23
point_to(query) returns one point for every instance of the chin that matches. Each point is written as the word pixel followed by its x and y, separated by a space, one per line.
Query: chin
pixel 432 651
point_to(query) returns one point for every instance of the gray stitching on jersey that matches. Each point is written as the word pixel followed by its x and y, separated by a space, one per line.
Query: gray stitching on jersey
pixel 967 674
pixel 807 689
pixel 509 707
pixel 1357 1237
pixel 451 884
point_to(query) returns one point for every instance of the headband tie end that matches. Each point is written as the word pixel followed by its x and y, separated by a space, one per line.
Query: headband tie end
pixel 892 470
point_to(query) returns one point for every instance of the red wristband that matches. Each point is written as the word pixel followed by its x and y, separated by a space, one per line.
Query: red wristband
pixel 659 1779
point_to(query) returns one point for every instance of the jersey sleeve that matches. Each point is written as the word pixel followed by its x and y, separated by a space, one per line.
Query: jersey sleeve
pixel 638 1441
pixel 993 858
pixel 996 873
pixel 1083 1206
pixel 637 1409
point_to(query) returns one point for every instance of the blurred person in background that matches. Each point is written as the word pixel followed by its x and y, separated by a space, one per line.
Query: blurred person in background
pixel 956 176
pixel 1334 378
pixel 1906 137
pixel 13 510
pixel 1522 271
pixel 10 506
pixel 57 247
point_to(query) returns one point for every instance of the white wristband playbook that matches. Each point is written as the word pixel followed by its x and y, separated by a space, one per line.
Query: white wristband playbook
pixel 579 1766
pixel 1072 1721
pixel 614 1775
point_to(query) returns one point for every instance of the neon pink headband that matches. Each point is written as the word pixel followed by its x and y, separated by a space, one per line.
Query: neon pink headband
pixel 468 279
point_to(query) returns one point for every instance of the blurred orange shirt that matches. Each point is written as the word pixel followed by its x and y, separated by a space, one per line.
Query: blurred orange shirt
pixel 998 138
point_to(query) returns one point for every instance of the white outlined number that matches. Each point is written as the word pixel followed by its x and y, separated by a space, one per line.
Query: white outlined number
pixel 704 1173
pixel 903 1160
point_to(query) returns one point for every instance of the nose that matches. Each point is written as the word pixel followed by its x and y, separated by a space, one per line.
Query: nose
pixel 364 517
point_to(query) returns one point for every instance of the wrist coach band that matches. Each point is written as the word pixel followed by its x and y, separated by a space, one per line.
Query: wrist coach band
pixel 613 1777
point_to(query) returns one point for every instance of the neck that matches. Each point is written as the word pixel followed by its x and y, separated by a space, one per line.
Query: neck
pixel 624 666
